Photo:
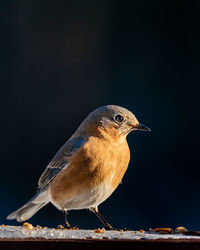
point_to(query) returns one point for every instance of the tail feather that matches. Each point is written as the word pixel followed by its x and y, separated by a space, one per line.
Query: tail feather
pixel 30 208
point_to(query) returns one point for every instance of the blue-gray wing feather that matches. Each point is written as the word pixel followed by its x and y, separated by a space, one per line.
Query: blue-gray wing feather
pixel 60 161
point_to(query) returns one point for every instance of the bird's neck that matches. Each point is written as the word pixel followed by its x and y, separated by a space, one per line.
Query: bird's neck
pixel 112 135
pixel 108 133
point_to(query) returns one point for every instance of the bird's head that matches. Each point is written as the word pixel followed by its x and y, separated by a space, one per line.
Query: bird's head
pixel 113 120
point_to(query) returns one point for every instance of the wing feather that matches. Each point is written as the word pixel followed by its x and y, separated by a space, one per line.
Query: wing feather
pixel 60 161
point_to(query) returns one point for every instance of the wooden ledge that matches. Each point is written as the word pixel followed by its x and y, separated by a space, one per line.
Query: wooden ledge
pixel 95 244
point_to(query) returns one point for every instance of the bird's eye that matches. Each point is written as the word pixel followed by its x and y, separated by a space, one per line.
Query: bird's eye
pixel 119 118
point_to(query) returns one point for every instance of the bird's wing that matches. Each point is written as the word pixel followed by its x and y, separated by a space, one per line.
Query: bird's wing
pixel 60 161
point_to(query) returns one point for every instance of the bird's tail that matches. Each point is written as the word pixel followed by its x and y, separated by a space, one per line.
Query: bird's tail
pixel 31 207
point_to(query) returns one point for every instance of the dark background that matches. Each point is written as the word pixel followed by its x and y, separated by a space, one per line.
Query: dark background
pixel 62 59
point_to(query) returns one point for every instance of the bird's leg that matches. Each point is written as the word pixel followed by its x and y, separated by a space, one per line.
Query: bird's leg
pixel 66 225
pixel 107 225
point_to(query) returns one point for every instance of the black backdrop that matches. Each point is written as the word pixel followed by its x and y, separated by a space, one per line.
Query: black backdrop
pixel 62 59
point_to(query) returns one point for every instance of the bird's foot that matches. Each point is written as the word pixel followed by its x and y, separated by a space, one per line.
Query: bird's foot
pixel 60 227
pixel 124 229
pixel 72 228
pixel 68 227
pixel 109 227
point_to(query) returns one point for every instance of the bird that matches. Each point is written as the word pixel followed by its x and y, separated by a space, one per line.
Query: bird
pixel 87 169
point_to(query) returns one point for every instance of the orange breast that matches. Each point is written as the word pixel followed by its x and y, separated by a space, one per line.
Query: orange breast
pixel 98 161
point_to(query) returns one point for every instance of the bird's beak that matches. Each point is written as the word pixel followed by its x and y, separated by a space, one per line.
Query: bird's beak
pixel 142 127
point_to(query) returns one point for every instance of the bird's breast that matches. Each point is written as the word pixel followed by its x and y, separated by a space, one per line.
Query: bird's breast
pixel 98 162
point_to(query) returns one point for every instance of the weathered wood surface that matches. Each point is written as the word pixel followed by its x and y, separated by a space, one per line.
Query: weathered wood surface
pixel 29 237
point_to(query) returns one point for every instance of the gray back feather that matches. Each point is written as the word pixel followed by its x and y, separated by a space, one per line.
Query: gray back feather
pixel 60 161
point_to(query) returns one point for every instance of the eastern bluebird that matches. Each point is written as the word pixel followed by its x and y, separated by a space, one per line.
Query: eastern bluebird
pixel 88 167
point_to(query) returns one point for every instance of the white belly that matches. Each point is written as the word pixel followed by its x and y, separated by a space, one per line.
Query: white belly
pixel 89 198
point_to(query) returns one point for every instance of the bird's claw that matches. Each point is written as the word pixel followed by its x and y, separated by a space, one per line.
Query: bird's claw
pixel 109 227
